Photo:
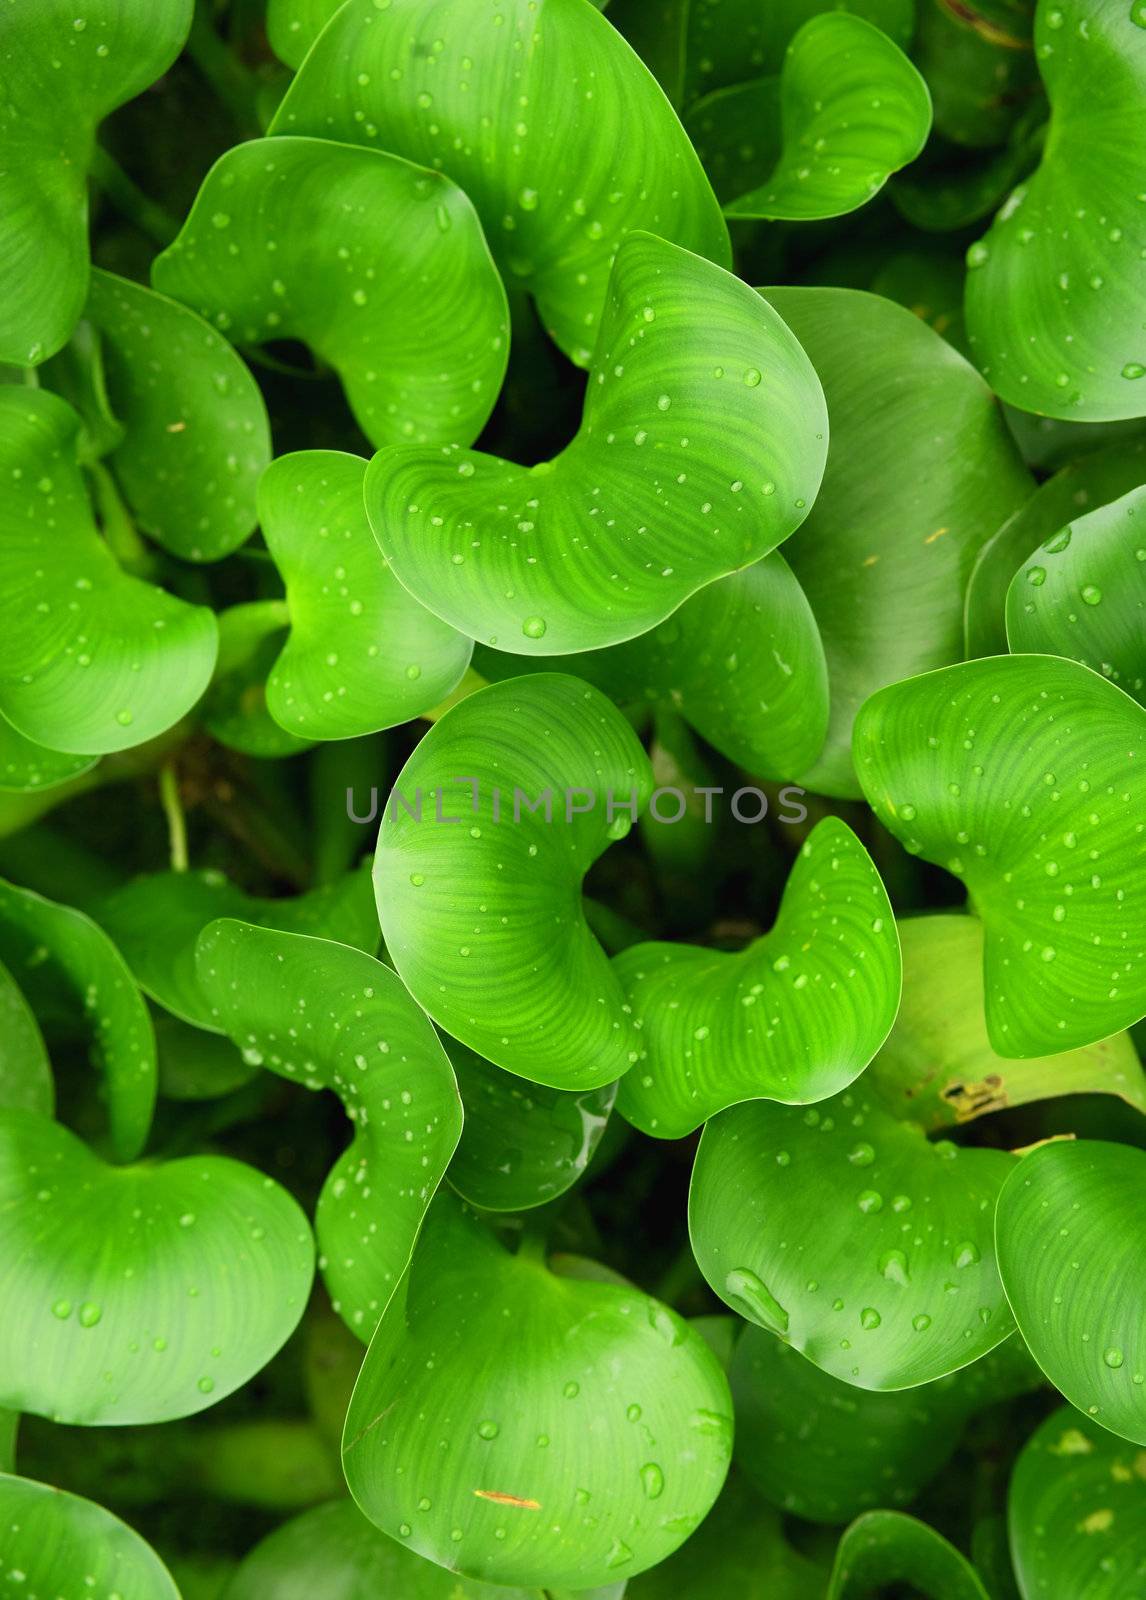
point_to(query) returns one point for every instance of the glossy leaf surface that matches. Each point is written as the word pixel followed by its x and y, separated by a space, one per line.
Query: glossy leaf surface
pixel 885 1547
pixel 94 660
pixel 57 1544
pixel 379 78
pixel 25 1071
pixel 584 1449
pixel 796 1016
pixel 1023 775
pixel 379 266
pixel 481 910
pixel 1069 1243
pixel 334 1018
pixel 25 765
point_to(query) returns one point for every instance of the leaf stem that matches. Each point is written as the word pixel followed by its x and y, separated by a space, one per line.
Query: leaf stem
pixel 172 803
pixel 133 553
pixel 234 86
pixel 129 199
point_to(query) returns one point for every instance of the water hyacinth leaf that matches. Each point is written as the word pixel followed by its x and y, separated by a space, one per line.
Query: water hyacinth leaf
pixel 330 1017
pixel 196 436
pixel 25 1071
pixel 234 709
pixel 69 971
pixel 796 1016
pixel 25 766
pixel 937 1067
pixel 947 191
pixel 379 266
pixel 294 25
pixel 1083 594
pixel 362 653
pixel 853 110
pixel 1023 775
pixel 481 911
pixel 896 1285
pixel 1069 1249
pixel 94 660
pixel 1078 488
pixel 584 1449
pixel 738 134
pixel 741 661
pixel 522 1144
pixel 1076 1511
pixel 1045 266
pixel 201 1274
pixel 921 470
pixel 195 1065
pixel 423 81
pixel 57 1543
pixel 980 69
pixel 61 83
pixel 883 1548
pixel 156 919
pixel 608 538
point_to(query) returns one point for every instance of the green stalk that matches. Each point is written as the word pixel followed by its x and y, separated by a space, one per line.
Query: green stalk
pixel 129 199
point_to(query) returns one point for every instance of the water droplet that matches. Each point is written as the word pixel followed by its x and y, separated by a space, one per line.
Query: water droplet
pixel 869 1201
pixel 90 1314
pixel 893 1266
pixel 1134 369
pixel 862 1155
pixel 752 378
pixel 534 627
pixel 967 1254
pixel 571 1390
pixel 1091 594
pixel 62 1309
pixel 978 254
pixel 1113 1357
pixel 921 1322
pixel 870 1318
pixel 744 1285
pixel 205 1385
pixel 488 1430
pixel 1036 576
pixel 652 1480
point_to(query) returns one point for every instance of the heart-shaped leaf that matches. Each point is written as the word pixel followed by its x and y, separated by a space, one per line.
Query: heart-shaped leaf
pixel 1083 594
pixel 72 71
pixel 201 1272
pixel 1055 317
pixel 330 1017
pixel 884 1548
pixel 362 654
pixel 379 266
pixel 796 1016
pixel 1077 1511
pixel 69 971
pixel 580 1450
pixel 522 1144
pixel 741 661
pixel 491 826
pixel 25 1071
pixel 937 1067
pixel 57 1543
pixel 853 111
pixel 156 920
pixel 432 86
pixel 1083 486
pixel 94 660
pixel 896 1284
pixel 234 709
pixel 1023 776
pixel 920 471
pixel 25 766
pixel 196 436
pixel 701 446
pixel 1068 1237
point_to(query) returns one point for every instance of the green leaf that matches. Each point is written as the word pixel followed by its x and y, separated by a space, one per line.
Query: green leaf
pixel 979 66
pixel 826 1451
pixel 379 266
pixel 56 1543
pixel 796 1016
pixel 25 766
pixel 194 1065
pixel 69 971
pixel 492 824
pixel 334 1551
pixel 68 79
pixel 294 25
pixel 94 660
pixel 937 1067
pixel 896 1284
pixel 1054 315
pixel 1069 1252
pixel 1021 775
pixel 741 661
pixel 609 537
pixel 1077 1511
pixel 330 1017
pixel 920 471
pixel 431 86
pixel 853 111
pixel 362 653
pixel 143 1293
pixel 1083 595
pixel 1083 486
pixel 234 709
pixel 580 1450
pixel 522 1144
pixel 738 135
pixel 156 919
pixel 882 1548
pixel 25 1071
pixel 948 191
pixel 196 433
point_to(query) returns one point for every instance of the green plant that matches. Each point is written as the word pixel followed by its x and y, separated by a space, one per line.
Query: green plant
pixel 572 800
